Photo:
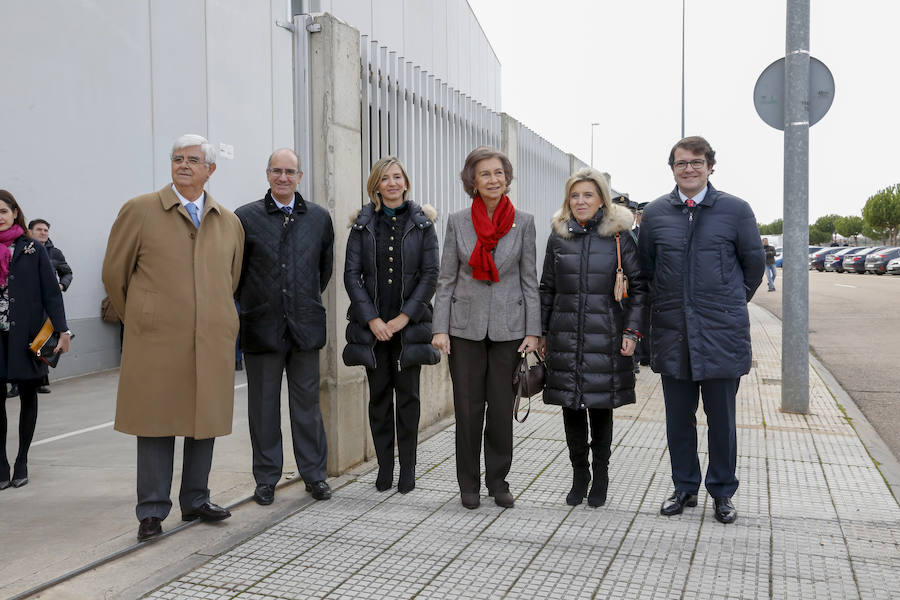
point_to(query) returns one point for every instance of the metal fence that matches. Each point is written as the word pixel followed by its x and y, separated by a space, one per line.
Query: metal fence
pixel 431 127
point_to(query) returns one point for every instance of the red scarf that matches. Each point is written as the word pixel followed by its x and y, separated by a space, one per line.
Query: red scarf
pixel 6 238
pixel 489 232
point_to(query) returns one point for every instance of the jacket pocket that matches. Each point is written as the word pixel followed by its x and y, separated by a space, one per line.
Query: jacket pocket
pixel 459 312
pixel 147 315
pixel 515 316
pixel 254 313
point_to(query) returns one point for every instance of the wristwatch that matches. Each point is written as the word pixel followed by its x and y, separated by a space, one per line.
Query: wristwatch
pixel 69 333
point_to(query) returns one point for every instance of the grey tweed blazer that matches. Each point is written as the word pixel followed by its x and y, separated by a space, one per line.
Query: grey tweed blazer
pixel 472 309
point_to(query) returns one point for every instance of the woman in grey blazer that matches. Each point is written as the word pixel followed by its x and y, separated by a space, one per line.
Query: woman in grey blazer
pixel 486 311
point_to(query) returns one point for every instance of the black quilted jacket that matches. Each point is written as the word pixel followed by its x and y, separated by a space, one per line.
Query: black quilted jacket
pixel 420 261
pixel 287 264
pixel 582 322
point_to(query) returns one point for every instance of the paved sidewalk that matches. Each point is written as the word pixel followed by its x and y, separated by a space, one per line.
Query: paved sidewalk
pixel 816 518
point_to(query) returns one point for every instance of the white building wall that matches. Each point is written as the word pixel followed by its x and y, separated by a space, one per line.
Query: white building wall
pixel 442 37
pixel 96 91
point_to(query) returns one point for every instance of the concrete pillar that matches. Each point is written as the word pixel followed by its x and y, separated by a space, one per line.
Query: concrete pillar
pixel 509 140
pixel 336 148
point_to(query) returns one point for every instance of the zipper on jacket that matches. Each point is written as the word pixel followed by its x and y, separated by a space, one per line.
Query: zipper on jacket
pixel 410 227
pixel 582 301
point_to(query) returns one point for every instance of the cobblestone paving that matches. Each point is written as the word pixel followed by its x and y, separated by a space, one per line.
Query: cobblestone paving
pixel 816 519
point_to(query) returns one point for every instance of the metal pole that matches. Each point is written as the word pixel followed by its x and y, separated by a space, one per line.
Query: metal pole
pixel 682 68
pixel 795 322
pixel 302 104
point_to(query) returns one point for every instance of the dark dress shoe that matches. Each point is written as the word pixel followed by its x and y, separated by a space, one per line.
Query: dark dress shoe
pixel 206 512
pixel 20 475
pixel 44 389
pixel 21 481
pixel 4 484
pixel 503 499
pixel 319 490
pixel 264 494
pixel 674 504
pixel 725 511
pixel 149 529
pixel 470 499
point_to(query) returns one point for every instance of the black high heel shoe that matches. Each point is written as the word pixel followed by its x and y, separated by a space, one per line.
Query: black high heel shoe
pixel 4 477
pixel 20 475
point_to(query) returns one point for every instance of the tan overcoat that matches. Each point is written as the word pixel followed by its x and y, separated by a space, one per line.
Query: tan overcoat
pixel 175 285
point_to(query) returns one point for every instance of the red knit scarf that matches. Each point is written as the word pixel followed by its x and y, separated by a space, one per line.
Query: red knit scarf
pixel 489 231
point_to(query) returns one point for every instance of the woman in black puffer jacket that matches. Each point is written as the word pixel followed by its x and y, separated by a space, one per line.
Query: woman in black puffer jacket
pixel 390 274
pixel 589 338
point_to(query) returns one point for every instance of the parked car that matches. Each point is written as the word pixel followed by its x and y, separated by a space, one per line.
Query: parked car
pixel 893 267
pixel 856 261
pixel 817 259
pixel 835 261
pixel 779 255
pixel 877 262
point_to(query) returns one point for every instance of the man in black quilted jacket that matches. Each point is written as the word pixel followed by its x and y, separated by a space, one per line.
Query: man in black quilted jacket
pixel 288 256
pixel 701 249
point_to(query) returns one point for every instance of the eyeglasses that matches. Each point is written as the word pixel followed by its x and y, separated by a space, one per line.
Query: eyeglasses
pixel 697 163
pixel 279 172
pixel 191 160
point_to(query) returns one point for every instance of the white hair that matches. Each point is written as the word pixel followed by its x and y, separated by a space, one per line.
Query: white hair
pixel 192 139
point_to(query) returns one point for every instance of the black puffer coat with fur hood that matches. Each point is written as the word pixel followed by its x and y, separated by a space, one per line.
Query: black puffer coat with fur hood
pixel 581 321
pixel 420 262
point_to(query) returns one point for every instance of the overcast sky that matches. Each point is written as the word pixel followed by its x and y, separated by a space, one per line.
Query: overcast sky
pixel 568 63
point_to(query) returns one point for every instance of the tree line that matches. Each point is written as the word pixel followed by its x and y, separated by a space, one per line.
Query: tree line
pixel 880 220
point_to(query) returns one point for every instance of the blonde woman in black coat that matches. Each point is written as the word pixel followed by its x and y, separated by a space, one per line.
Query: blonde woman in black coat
pixel 589 337
pixel 390 273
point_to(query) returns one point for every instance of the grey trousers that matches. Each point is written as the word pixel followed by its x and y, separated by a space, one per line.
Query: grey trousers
pixel 155 456
pixel 264 371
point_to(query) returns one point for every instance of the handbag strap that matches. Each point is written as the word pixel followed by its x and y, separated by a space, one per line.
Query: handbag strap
pixel 618 255
pixel 523 368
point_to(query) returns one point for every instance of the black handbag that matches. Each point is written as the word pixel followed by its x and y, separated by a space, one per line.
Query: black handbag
pixel 528 380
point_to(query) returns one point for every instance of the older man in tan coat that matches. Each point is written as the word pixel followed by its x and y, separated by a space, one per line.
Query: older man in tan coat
pixel 172 264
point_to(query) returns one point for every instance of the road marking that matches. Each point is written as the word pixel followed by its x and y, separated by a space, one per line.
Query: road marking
pixel 844 285
pixel 63 436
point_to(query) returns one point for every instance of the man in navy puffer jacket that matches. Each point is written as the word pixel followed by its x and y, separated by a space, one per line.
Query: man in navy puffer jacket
pixel 702 252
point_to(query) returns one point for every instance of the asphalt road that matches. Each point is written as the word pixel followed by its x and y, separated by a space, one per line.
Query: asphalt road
pixel 854 322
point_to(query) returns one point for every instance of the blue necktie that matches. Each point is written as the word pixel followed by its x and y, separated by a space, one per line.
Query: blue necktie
pixel 286 210
pixel 192 210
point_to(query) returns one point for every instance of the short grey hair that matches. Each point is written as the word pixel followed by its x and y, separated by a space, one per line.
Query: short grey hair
pixel 291 150
pixel 192 139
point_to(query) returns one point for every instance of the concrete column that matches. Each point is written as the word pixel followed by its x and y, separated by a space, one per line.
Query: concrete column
pixel 335 152
pixel 509 140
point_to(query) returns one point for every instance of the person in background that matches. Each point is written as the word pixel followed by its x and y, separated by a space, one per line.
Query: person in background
pixel 39 229
pixel 701 250
pixel 770 263
pixel 29 293
pixel 288 256
pixel 487 311
pixel 172 265
pixel 390 274
pixel 590 338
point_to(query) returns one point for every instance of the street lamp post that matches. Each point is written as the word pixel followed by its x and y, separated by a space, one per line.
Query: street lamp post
pixel 592 142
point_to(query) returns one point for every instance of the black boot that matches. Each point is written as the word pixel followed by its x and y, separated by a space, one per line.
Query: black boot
pixel 576 426
pixel 580 478
pixel 601 442
pixel 385 478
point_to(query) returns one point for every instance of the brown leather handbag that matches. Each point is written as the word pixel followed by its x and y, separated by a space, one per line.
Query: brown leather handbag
pixel 528 380
pixel 620 290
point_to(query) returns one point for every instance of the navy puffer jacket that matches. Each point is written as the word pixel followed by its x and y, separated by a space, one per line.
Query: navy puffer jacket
pixel 581 321
pixel 704 265
pixel 420 262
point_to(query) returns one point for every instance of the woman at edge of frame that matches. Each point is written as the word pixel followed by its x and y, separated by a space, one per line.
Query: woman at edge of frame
pixel 390 274
pixel 486 312
pixel 590 338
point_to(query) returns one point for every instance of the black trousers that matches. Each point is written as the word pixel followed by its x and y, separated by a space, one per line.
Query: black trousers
pixel 264 372
pixel 155 457
pixel 682 397
pixel 385 382
pixel 482 372
pixel 575 422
